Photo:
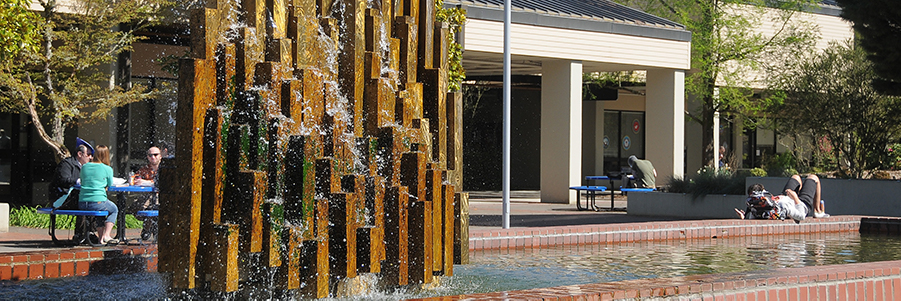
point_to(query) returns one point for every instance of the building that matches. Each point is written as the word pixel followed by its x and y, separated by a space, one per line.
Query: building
pixel 557 137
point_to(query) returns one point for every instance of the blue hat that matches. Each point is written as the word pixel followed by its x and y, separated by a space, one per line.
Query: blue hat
pixel 79 141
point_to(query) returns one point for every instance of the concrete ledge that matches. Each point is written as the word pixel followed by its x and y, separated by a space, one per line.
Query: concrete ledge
pixel 683 205
pixel 846 197
pixel 4 217
pixel 541 237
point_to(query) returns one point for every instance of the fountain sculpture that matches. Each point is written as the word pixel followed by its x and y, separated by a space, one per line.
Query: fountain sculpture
pixel 317 142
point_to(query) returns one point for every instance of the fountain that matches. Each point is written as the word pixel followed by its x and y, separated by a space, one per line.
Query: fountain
pixel 317 143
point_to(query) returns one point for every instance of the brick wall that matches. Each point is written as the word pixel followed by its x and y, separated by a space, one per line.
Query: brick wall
pixel 77 262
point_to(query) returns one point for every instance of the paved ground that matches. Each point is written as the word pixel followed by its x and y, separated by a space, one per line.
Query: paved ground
pixel 485 212
pixel 20 239
pixel 526 210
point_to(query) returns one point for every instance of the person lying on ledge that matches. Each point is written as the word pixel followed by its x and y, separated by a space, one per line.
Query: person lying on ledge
pixel 800 198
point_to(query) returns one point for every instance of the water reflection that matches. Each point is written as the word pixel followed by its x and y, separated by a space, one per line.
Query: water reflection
pixel 493 271
pixel 536 268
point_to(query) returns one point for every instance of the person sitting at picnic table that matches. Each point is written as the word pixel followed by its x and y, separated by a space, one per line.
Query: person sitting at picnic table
pixel 643 171
pixel 67 175
pixel 147 176
pixel 800 199
pixel 96 177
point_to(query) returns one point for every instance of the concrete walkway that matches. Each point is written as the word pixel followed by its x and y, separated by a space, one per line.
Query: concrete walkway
pixel 526 210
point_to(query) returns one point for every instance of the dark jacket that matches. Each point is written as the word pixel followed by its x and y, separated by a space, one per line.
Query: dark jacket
pixel 66 175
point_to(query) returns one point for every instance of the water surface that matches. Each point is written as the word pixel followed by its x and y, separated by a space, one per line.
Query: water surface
pixel 492 271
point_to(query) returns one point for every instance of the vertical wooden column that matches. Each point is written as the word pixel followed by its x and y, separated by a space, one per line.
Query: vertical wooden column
pixel 434 195
pixel 350 60
pixel 288 273
pixel 224 246
pixel 343 235
pixel 447 230
pixel 413 175
pixel 181 190
pixel 314 264
pixel 211 194
pixel 395 268
pixel 455 139
pixel 461 228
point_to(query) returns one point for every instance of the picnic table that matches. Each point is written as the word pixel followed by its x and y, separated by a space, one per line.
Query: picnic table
pixel 622 190
pixel 121 192
pixel 590 192
pixel 611 179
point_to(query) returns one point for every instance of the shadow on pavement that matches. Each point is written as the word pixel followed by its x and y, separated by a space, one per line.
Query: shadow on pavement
pixel 553 220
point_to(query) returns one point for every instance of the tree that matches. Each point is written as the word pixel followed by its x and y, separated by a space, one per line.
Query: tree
pixel 829 97
pixel 727 51
pixel 64 79
pixel 20 28
pixel 877 24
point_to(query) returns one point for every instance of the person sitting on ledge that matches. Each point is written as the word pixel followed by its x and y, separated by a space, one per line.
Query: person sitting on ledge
pixel 644 172
pixel 799 200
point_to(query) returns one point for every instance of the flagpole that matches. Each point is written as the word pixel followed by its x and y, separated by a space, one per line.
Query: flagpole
pixel 506 150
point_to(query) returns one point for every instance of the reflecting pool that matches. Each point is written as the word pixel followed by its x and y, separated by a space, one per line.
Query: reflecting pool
pixel 492 271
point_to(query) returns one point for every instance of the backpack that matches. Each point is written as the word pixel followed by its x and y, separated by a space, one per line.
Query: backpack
pixel 762 206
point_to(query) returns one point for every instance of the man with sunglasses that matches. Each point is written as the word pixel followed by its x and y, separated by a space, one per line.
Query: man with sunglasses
pixel 147 176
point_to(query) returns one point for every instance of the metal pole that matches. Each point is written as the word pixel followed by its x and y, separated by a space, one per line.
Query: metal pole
pixel 506 171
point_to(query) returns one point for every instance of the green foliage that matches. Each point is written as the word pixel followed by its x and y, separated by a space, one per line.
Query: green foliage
pixel 894 157
pixel 455 17
pixel 829 97
pixel 67 79
pixel 170 64
pixel 615 79
pixel 709 181
pixel 28 217
pixel 876 24
pixel 727 48
pixel 756 172
pixel 20 29
pixel 781 165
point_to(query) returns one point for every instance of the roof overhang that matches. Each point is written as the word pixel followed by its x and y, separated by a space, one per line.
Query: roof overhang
pixel 601 44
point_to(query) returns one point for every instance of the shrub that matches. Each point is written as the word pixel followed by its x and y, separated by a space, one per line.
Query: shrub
pixel 29 217
pixel 710 181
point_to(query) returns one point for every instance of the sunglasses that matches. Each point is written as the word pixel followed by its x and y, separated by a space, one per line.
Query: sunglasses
pixel 153 155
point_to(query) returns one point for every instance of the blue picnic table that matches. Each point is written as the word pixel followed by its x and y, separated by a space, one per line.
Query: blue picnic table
pixel 622 190
pixel 590 192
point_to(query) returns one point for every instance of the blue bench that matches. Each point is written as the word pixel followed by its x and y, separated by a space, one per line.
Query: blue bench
pixel 589 196
pixel 85 227
pixel 153 228
pixel 147 213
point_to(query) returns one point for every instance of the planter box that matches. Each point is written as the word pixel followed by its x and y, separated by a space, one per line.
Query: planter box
pixel 848 197
pixel 843 197
pixel 683 206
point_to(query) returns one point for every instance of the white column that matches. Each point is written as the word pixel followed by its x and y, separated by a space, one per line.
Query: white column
pixel 716 140
pixel 598 139
pixel 665 119
pixel 561 130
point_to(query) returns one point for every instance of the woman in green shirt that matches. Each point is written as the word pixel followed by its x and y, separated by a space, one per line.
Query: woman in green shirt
pixel 96 176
